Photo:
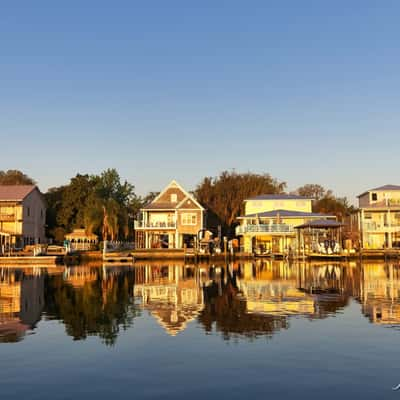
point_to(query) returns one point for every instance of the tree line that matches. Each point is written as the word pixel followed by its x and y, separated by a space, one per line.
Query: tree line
pixel 106 205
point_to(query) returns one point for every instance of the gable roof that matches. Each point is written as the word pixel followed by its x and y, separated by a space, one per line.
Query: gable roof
pixel 286 214
pixel 15 192
pixel 282 196
pixel 155 205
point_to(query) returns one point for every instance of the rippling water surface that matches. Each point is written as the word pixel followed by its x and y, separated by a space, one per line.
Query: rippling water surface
pixel 162 330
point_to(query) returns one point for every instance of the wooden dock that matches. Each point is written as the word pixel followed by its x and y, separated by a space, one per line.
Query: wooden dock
pixel 30 260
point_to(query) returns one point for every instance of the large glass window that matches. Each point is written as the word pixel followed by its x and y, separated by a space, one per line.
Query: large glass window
pixel 189 219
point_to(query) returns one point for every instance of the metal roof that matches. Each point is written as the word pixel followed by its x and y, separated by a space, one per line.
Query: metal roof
pixel 285 214
pixel 321 223
pixel 281 196
pixel 15 192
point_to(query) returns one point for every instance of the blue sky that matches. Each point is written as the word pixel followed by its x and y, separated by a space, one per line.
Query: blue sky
pixel 306 91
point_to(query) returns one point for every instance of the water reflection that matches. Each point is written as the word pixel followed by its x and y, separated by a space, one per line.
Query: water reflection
pixel 172 294
pixel 248 300
pixel 21 302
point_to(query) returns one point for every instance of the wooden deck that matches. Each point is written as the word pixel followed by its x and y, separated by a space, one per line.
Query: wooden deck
pixel 28 260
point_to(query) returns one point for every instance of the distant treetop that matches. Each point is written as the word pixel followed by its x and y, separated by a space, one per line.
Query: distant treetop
pixel 15 177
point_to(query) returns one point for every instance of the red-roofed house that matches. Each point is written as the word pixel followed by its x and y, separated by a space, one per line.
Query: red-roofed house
pixel 172 220
pixel 22 216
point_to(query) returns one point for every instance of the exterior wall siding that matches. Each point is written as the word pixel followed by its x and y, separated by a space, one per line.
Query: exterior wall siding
pixel 258 206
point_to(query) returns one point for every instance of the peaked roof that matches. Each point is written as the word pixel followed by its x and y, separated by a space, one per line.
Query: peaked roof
pixel 282 196
pixel 388 187
pixel 155 205
pixel 285 213
pixel 15 192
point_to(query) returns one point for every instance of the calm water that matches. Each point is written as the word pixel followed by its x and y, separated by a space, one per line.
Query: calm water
pixel 265 329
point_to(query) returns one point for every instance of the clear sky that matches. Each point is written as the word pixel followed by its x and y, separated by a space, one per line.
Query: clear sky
pixel 307 91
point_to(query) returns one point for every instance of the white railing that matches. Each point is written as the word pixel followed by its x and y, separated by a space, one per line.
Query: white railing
pixel 154 225
pixel 264 228
pixel 374 227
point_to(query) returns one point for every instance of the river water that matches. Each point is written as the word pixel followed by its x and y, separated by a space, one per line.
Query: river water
pixel 265 329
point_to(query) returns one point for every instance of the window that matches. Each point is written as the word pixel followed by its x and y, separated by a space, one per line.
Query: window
pixel 374 196
pixel 189 219
pixel 28 211
pixel 174 198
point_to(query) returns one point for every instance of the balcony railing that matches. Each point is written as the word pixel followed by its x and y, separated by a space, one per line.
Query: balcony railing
pixel 264 228
pixel 374 227
pixel 155 225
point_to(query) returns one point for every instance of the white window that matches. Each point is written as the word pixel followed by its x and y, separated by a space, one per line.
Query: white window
pixel 189 219
pixel 174 198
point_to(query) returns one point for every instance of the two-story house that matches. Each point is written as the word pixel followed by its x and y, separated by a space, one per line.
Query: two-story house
pixel 379 217
pixel 22 216
pixel 269 222
pixel 172 220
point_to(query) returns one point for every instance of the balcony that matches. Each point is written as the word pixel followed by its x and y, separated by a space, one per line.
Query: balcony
pixel 155 225
pixel 7 217
pixel 267 228
pixel 380 228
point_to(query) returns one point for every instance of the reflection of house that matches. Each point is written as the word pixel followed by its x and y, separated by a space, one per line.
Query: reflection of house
pixel 22 216
pixel 81 240
pixel 276 297
pixel 21 303
pixel 171 297
pixel 171 220
pixel 270 220
pixel 380 293
pixel 379 217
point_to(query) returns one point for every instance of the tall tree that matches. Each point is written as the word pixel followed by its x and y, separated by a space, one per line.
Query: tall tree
pixel 111 200
pixel 325 201
pixel 311 190
pixel 98 203
pixel 15 177
pixel 223 196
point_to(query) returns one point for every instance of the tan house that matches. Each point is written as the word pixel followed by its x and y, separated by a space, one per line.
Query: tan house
pixel 379 217
pixel 172 220
pixel 22 216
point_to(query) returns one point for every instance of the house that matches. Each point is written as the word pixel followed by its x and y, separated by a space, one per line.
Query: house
pixel 379 217
pixel 22 216
pixel 172 220
pixel 269 222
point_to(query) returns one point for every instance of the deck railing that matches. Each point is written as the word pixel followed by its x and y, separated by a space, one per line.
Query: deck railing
pixel 154 225
pixel 375 227
pixel 264 228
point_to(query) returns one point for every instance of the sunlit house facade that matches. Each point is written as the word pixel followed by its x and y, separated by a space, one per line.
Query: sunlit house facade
pixel 269 222
pixel 22 215
pixel 379 217
pixel 172 220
